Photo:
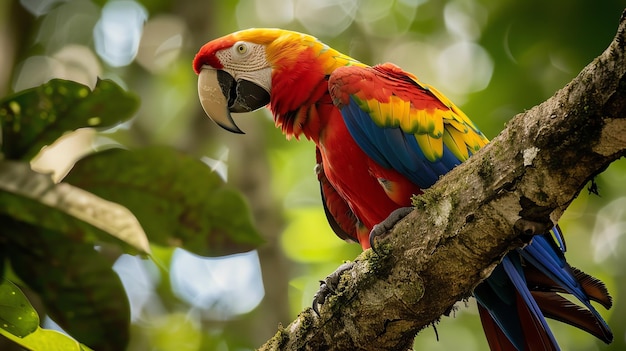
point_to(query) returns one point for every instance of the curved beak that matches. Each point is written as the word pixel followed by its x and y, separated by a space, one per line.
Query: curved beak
pixel 220 94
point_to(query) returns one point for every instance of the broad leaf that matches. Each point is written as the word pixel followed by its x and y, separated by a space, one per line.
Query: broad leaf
pixel 178 200
pixel 32 197
pixel 79 288
pixel 36 117
pixel 17 315
pixel 46 339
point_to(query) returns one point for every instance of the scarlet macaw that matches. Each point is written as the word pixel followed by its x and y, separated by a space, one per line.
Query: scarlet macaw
pixel 381 136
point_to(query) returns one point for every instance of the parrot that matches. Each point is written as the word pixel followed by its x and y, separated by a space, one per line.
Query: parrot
pixel 382 136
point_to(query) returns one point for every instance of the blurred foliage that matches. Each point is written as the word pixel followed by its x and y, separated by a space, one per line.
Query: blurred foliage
pixel 34 118
pixel 493 58
pixel 48 249
pixel 49 230
pixel 177 199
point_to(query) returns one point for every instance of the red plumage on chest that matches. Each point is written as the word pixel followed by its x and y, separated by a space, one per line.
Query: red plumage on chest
pixel 371 191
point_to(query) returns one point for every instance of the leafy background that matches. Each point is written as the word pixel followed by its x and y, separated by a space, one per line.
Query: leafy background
pixel 493 58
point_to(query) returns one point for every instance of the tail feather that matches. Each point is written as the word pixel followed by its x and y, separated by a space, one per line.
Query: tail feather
pixel 594 288
pixel 534 325
pixel 543 254
pixel 530 285
pixel 519 328
pixel 550 261
pixel 536 332
pixel 561 309
pixel 512 308
pixel 559 239
pixel 496 339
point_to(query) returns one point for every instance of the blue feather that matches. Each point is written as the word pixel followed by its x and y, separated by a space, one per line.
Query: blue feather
pixel 392 148
pixel 498 295
pixel 543 254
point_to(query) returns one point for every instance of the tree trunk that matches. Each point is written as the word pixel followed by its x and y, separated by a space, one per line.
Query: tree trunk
pixel 516 186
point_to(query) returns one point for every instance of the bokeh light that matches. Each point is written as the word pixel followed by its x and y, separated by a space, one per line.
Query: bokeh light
pixel 386 18
pixel 464 67
pixel 67 22
pixel 118 32
pixel 273 12
pixel 221 287
pixel 610 227
pixel 39 7
pixel 161 43
pixel 140 278
pixel 34 71
pixel 326 17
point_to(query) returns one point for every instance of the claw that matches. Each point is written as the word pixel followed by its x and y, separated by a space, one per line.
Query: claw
pixel 328 286
pixel 527 228
pixel 383 227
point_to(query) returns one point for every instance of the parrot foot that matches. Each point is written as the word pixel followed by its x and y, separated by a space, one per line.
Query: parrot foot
pixel 528 228
pixel 383 227
pixel 328 286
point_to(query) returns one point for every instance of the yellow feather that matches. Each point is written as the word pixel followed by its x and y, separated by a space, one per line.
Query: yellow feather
pixel 454 122
pixel 451 144
pixel 384 112
pixel 437 122
pixel 462 117
pixel 439 96
pixel 412 125
pixel 422 118
pixel 475 141
pixel 402 113
pixel 373 109
pixel 455 141
pixel 432 148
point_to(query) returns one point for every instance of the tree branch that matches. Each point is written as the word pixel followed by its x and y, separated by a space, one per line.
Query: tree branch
pixel 517 185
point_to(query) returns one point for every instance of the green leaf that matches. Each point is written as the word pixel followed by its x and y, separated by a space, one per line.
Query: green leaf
pixel 178 200
pixel 79 288
pixel 32 197
pixel 17 315
pixel 36 117
pixel 45 339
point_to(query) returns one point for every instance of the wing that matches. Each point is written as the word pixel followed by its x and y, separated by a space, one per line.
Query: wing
pixel 403 124
pixel 339 215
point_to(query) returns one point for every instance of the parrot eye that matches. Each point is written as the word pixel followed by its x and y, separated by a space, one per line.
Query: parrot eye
pixel 241 48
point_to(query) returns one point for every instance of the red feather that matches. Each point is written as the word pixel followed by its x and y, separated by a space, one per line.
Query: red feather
pixel 306 107
pixel 495 337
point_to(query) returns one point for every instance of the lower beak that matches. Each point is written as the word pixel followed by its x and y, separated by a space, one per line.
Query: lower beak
pixel 220 94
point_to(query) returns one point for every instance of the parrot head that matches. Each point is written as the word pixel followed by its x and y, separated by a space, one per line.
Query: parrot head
pixel 249 69
pixel 234 75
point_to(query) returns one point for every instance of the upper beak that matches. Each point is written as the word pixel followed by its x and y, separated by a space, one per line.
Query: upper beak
pixel 220 94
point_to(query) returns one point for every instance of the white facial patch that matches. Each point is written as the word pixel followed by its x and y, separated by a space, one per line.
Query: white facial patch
pixel 245 60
